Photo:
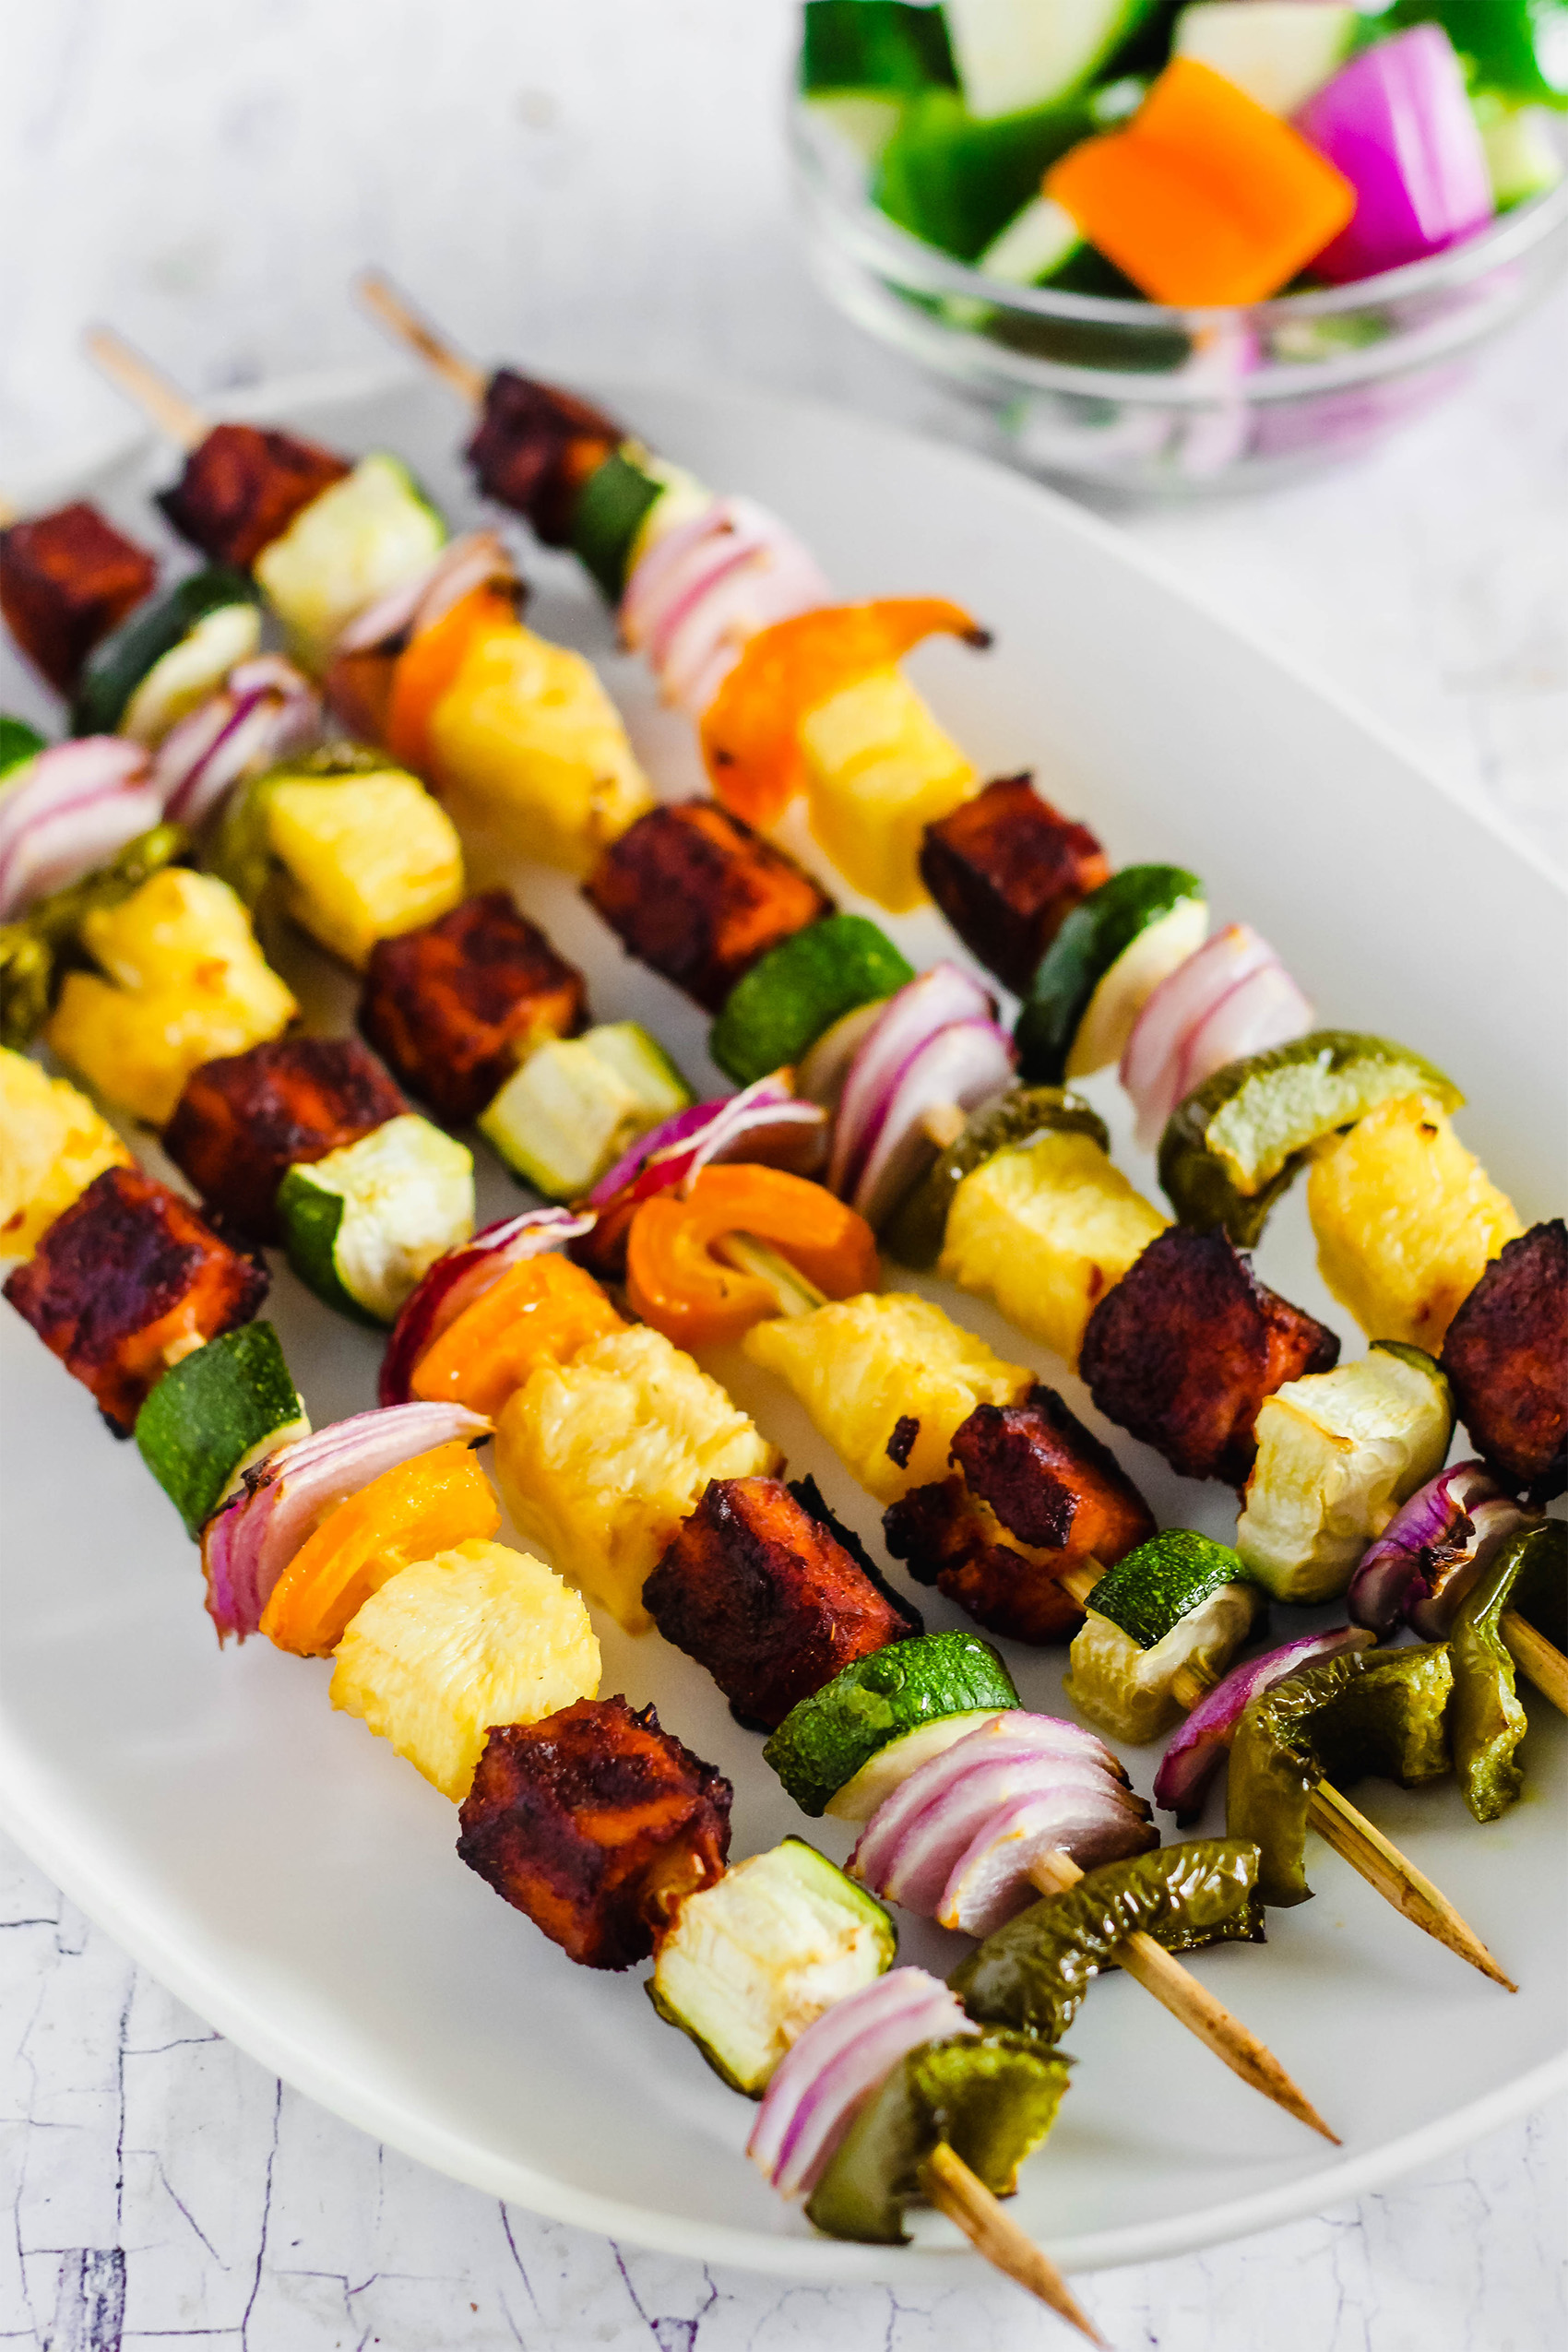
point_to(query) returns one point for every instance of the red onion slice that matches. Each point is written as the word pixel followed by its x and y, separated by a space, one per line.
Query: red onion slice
pixel 826 1065
pixel 1433 1552
pixel 70 811
pixel 1192 1758
pixel 246 1545
pixel 650 580
pixel 464 564
pixel 454 1281
pixel 962 1066
pixel 1012 1734
pixel 765 1123
pixel 991 1882
pixel 931 1002
pixel 1263 1009
pixel 1151 1062
pixel 267 710
pixel 708 586
pixel 916 1869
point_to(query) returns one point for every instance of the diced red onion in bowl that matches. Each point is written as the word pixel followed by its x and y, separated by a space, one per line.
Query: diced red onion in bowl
pixel 459 1278
pixel 1433 1552
pixel 68 812
pixel 1192 1758
pixel 962 1066
pixel 931 1002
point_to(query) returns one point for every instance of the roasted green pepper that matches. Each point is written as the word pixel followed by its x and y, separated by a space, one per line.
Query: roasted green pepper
pixel 1032 1974
pixel 991 2098
pixel 1487 1720
pixel 35 951
pixel 1516 46
pixel 1359 1712
pixel 915 1235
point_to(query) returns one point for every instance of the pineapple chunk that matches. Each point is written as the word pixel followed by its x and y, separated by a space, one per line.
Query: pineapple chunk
pixel 357 540
pixel 601 1459
pixel 366 857
pixel 449 1646
pixel 879 770
pixel 1046 1228
pixel 1406 1220
pixel 53 1143
pixel 188 982
pixel 863 1367
pixel 528 732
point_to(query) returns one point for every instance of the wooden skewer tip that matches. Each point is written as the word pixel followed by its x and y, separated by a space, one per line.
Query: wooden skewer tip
pixel 147 388
pixel 1359 1842
pixel 395 312
pixel 956 2191
pixel 1541 1661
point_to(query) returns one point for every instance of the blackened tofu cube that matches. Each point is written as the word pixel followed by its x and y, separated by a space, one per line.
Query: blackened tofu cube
pixel 454 1005
pixel 1005 868
pixel 1507 1353
pixel 243 486
pixel 1185 1347
pixel 598 1824
pixel 534 449
pixel 695 894
pixel 127 1282
pixel 66 580
pixel 245 1119
pixel 767 1599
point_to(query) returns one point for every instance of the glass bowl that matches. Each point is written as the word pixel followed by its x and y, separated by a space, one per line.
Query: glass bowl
pixel 1139 396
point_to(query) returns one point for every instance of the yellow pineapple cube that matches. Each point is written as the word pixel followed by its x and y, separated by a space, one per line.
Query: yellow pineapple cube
pixel 366 857
pixel 1045 1228
pixel 357 541
pixel 862 1366
pixel 527 731
pixel 600 1460
pixel 53 1143
pixel 187 981
pixel 477 1635
pixel 879 770
pixel 1406 1220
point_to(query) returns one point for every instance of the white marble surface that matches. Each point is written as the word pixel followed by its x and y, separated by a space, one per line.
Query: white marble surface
pixel 599 184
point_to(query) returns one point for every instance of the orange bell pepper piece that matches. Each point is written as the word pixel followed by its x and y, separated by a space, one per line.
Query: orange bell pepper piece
pixel 750 728
pixel 428 668
pixel 1204 197
pixel 410 1513
pixel 675 1281
pixel 539 1312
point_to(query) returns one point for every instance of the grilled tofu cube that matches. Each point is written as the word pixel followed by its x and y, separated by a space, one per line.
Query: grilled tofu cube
pixel 1037 1494
pixel 886 1378
pixel 767 1599
pixel 53 1143
pixel 1046 1228
pixel 879 769
pixel 454 1006
pixel 601 1458
pixel 1005 868
pixel 597 1823
pixel 1506 1354
pixel 693 892
pixel 128 1282
pixel 66 579
pixel 479 1635
pixel 244 1121
pixel 1406 1220
pixel 1185 1349
pixel 535 447
pixel 243 486
pixel 186 982
pixel 366 857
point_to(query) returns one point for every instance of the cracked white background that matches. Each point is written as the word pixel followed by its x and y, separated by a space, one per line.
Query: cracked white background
pixel 599 184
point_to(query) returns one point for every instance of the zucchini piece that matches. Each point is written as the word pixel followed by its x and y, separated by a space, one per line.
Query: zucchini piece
pixel 1015 53
pixel 1102 966
pixel 874 45
pixel 611 507
pixel 891 1765
pixel 577 1104
pixel 1337 1453
pixel 781 1006
pixel 1038 242
pixel 215 1415
pixel 362 1226
pixel 1278 51
pixel 20 747
pixel 1023 1115
pixel 171 654
pixel 824 1741
pixel 755 1958
pixel 1234 1146
pixel 1179 1604
pixel 364 536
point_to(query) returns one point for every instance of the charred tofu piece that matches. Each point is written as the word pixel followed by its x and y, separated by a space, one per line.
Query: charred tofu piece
pixel 767 1599
pixel 1036 1495
pixel 598 1824
pixel 1506 1354
pixel 454 1005
pixel 129 1281
pixel 534 449
pixel 1005 868
pixel 1186 1346
pixel 244 1120
pixel 693 892
pixel 242 488
pixel 66 580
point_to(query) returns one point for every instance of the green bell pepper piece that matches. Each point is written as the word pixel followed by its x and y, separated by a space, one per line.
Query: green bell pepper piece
pixel 35 950
pixel 1359 1712
pixel 1516 46
pixel 1022 1116
pixel 1032 1973
pixel 991 2098
pixel 1487 1720
pixel 955 182
pixel 874 45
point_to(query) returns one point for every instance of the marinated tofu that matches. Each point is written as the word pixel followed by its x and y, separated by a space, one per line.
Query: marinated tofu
pixel 1005 868
pixel 1506 1354
pixel 535 447
pixel 244 1120
pixel 243 486
pixel 66 580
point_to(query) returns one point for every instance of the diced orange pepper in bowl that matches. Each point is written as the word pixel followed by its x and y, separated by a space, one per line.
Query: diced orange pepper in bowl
pixel 410 1513
pixel 750 730
pixel 675 1282
pixel 427 669
pixel 541 1312
pixel 1205 198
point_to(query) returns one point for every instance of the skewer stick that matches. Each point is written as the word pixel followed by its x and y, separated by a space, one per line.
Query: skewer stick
pixel 147 388
pixel 9 513
pixel 379 294
pixel 954 2190
pixel 1536 1658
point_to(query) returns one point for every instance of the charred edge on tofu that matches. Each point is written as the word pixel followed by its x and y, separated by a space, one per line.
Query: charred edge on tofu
pixel 245 1119
pixel 66 580
pixel 243 485
pixel 534 449
pixel 1506 1354
pixel 1006 869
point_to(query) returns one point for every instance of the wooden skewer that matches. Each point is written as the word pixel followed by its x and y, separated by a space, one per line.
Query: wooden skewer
pixel 1537 1657
pixel 163 403
pixel 954 2190
pixel 9 513
pixel 380 295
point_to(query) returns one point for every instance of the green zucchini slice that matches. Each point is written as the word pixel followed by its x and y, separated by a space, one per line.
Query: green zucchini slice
pixel 892 1765
pixel 168 656
pixel 577 1104
pixel 611 507
pixel 1179 1604
pixel 824 1741
pixel 1103 966
pixel 811 979
pixel 362 1226
pixel 214 1415
pixel 915 1234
